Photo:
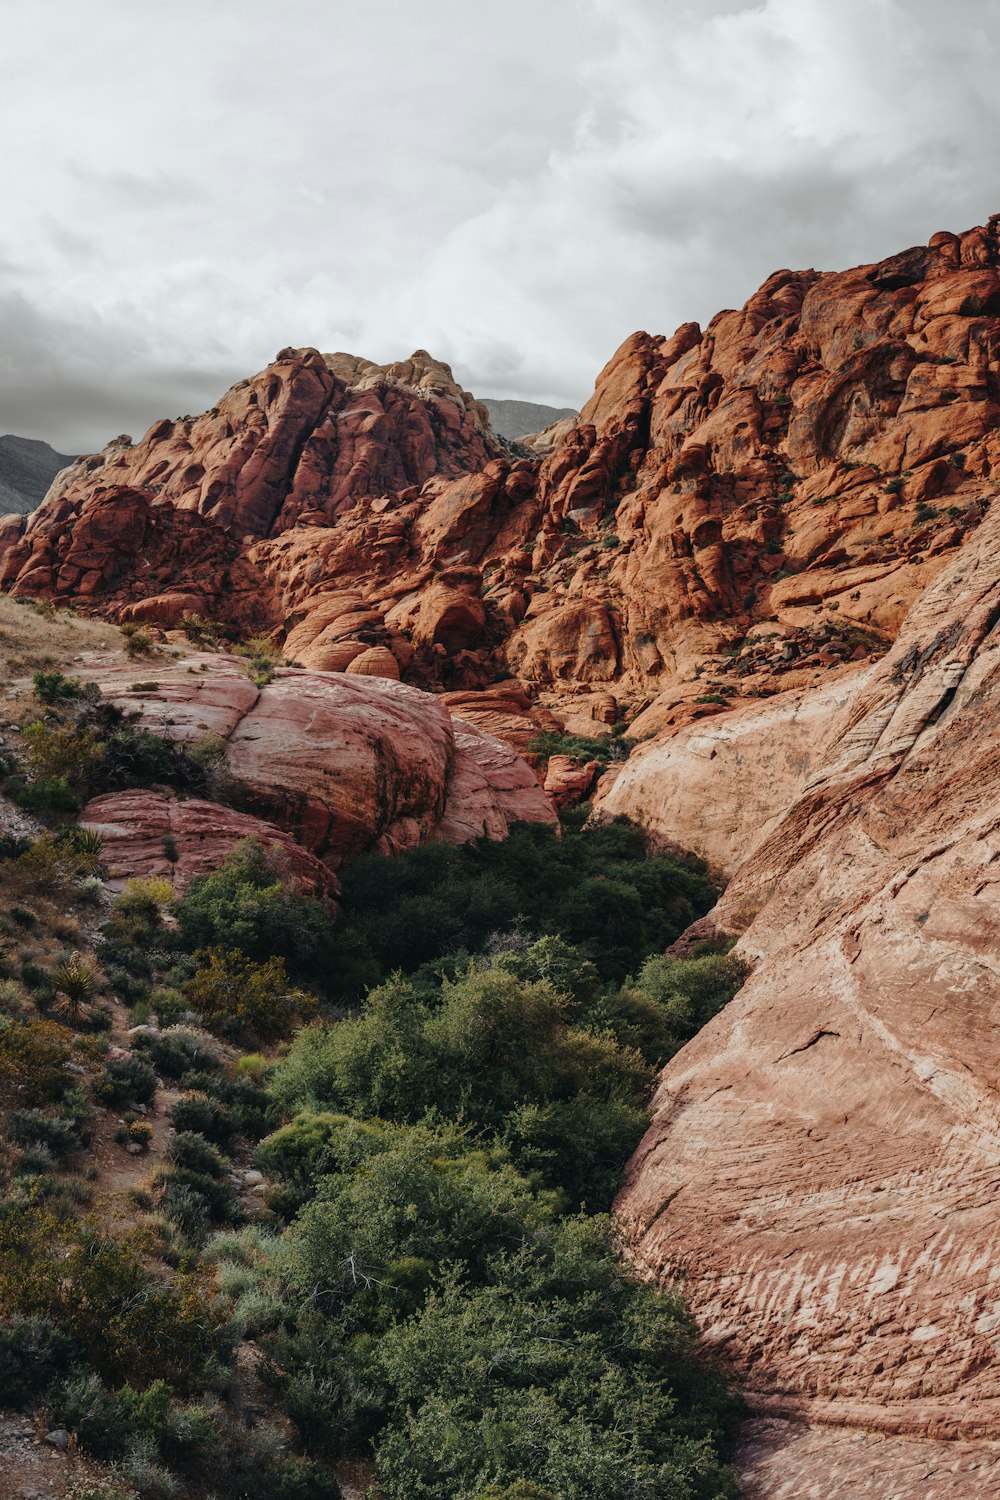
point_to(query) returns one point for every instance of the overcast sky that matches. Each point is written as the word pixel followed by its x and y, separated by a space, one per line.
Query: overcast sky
pixel 187 187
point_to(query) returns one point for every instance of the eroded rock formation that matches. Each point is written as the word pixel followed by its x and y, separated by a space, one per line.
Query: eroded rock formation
pixel 735 510
pixel 824 1158
pixel 342 763
pixel 146 833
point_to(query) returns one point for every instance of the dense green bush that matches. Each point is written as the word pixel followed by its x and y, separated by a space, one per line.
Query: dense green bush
pixel 240 998
pixel 495 1052
pixel 33 1352
pixel 609 747
pixel 598 887
pixel 207 1116
pixel 246 905
pixel 128 1081
pixel 560 1368
pixel 53 687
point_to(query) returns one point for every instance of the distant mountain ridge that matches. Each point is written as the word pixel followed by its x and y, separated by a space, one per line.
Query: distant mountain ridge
pixel 27 468
pixel 515 419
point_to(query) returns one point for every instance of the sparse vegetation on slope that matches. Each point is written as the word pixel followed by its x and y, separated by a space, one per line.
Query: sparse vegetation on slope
pixel 399 1222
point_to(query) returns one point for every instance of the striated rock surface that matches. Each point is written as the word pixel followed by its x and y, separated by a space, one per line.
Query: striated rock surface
pixel 717 787
pixel 824 1159
pixel 342 763
pixel 147 833
pixel 784 1461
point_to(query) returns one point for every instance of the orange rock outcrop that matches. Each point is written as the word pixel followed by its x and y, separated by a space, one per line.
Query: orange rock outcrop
pixel 735 510
pixel 341 763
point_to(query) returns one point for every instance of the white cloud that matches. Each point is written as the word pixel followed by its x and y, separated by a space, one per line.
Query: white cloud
pixel 516 190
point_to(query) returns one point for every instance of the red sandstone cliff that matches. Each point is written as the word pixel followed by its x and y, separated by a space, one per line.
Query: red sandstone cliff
pixel 796 473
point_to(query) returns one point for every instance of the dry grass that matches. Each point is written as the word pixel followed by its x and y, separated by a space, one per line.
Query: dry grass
pixel 31 641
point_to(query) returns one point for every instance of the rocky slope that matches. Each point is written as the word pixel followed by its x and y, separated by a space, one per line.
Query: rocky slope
pixel 792 476
pixel 824 1158
pixel 27 469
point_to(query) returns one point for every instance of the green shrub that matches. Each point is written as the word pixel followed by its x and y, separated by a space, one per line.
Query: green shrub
pixel 53 687
pixel 129 1081
pixel 596 886
pixel 190 1150
pixel 600 1390
pixel 33 1351
pixel 33 1057
pixel 495 1052
pixel 240 998
pixel 206 1116
pixel 608 748
pixel 100 1294
pixel 30 1127
pixel 181 1049
pixel 246 905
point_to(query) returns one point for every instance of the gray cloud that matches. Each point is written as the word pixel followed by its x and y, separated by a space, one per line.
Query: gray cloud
pixel 515 191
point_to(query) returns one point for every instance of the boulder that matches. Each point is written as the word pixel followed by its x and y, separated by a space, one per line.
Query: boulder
pixel 146 832
pixel 341 763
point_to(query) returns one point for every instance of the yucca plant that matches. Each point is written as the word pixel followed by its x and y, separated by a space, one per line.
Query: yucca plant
pixel 76 981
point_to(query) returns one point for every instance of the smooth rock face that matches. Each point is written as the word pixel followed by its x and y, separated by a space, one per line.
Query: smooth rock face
pixel 145 833
pixel 823 1162
pixel 717 787
pixel 343 763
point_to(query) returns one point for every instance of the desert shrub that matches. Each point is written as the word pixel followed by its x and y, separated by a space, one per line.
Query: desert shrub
pixel 126 1081
pixel 53 864
pixel 597 887
pixel 57 1133
pixel 136 639
pixel 133 1132
pixel 688 992
pixel 191 1150
pixel 33 1352
pixel 53 687
pixel 33 1057
pixel 495 1052
pixel 194 1200
pixel 241 998
pixel 100 1294
pixel 69 753
pixel 245 905
pixel 245 1106
pixel 208 1117
pixel 180 1050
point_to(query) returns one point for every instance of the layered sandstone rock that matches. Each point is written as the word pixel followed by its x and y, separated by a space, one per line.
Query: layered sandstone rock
pixel 791 477
pixel 342 763
pixel 146 833
pixel 824 1158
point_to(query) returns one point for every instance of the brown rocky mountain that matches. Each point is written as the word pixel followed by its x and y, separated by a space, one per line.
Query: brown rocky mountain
pixel 770 548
